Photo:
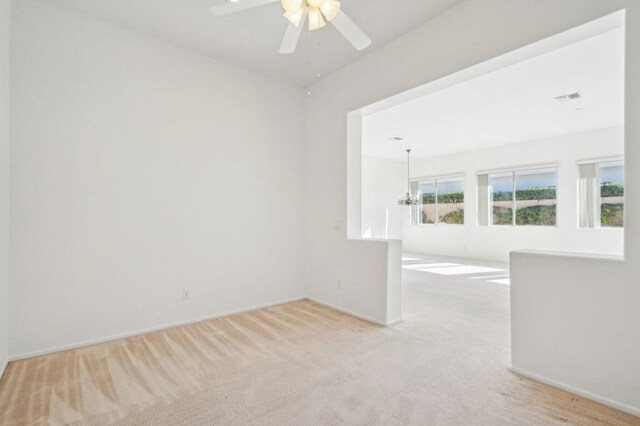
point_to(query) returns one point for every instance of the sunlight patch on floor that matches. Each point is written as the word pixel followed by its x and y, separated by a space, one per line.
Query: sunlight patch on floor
pixel 487 274
pixel 462 269
pixel 424 266
pixel 487 277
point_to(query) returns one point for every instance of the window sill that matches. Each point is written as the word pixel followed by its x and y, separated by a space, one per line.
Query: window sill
pixel 439 224
pixel 521 226
pixel 602 228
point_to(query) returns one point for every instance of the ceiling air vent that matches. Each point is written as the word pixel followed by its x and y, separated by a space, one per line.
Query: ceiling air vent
pixel 569 97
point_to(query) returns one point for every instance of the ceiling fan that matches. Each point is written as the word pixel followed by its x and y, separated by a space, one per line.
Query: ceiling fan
pixel 297 12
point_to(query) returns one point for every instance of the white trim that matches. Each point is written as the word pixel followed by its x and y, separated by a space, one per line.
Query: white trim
pixel 438 224
pixel 460 175
pixel 360 316
pixel 518 168
pixel 146 330
pixel 457 177
pixel 600 160
pixel 394 322
pixel 3 368
pixel 553 253
pixel 588 395
pixel 188 322
pixel 514 195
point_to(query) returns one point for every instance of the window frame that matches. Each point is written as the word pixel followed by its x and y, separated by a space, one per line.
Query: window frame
pixel 417 221
pixel 513 171
pixel 598 219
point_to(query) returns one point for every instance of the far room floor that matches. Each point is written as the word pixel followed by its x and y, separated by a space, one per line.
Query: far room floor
pixel 433 269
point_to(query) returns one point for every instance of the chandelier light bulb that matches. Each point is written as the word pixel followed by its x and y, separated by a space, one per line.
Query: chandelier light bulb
pixel 314 3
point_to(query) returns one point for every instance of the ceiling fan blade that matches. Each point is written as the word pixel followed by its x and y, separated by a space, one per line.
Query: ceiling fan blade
pixel 239 6
pixel 291 37
pixel 350 31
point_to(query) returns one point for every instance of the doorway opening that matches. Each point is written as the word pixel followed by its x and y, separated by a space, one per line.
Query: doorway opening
pixel 525 151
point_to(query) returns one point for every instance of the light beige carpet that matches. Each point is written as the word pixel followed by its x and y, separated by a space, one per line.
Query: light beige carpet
pixel 301 364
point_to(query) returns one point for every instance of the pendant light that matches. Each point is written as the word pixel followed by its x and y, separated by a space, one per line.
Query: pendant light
pixel 408 199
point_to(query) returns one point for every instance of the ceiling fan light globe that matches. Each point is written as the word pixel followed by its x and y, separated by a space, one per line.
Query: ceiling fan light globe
pixel 292 6
pixel 330 9
pixel 315 19
pixel 294 16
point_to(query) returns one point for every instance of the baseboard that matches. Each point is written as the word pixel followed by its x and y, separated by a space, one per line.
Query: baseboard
pixel 146 330
pixel 394 322
pixel 587 395
pixel 354 314
pixel 111 338
pixel 3 368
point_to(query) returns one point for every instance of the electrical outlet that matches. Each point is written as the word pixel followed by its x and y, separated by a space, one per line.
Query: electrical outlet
pixel 185 294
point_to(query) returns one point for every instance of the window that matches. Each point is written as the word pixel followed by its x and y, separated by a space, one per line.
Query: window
pixel 518 198
pixel 427 197
pixel 450 203
pixel 612 194
pixel 536 197
pixel 601 194
pixel 501 196
pixel 441 201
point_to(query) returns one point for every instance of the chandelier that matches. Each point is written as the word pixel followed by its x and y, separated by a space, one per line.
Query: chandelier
pixel 317 10
pixel 408 199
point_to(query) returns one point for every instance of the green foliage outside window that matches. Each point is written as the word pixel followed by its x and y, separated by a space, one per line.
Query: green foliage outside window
pixel 502 216
pixel 452 218
pixel 612 215
pixel 450 198
pixel 425 219
pixel 526 194
pixel 532 215
pixel 455 217
pixel 611 189
pixel 536 215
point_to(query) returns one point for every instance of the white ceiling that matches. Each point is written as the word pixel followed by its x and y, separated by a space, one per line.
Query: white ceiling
pixel 511 105
pixel 251 39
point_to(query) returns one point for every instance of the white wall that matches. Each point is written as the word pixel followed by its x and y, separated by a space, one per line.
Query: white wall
pixel 5 37
pixel 481 242
pixel 138 170
pixel 383 181
pixel 575 325
pixel 468 34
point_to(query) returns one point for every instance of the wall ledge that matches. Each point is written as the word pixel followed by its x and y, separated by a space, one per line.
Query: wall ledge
pixel 572 255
